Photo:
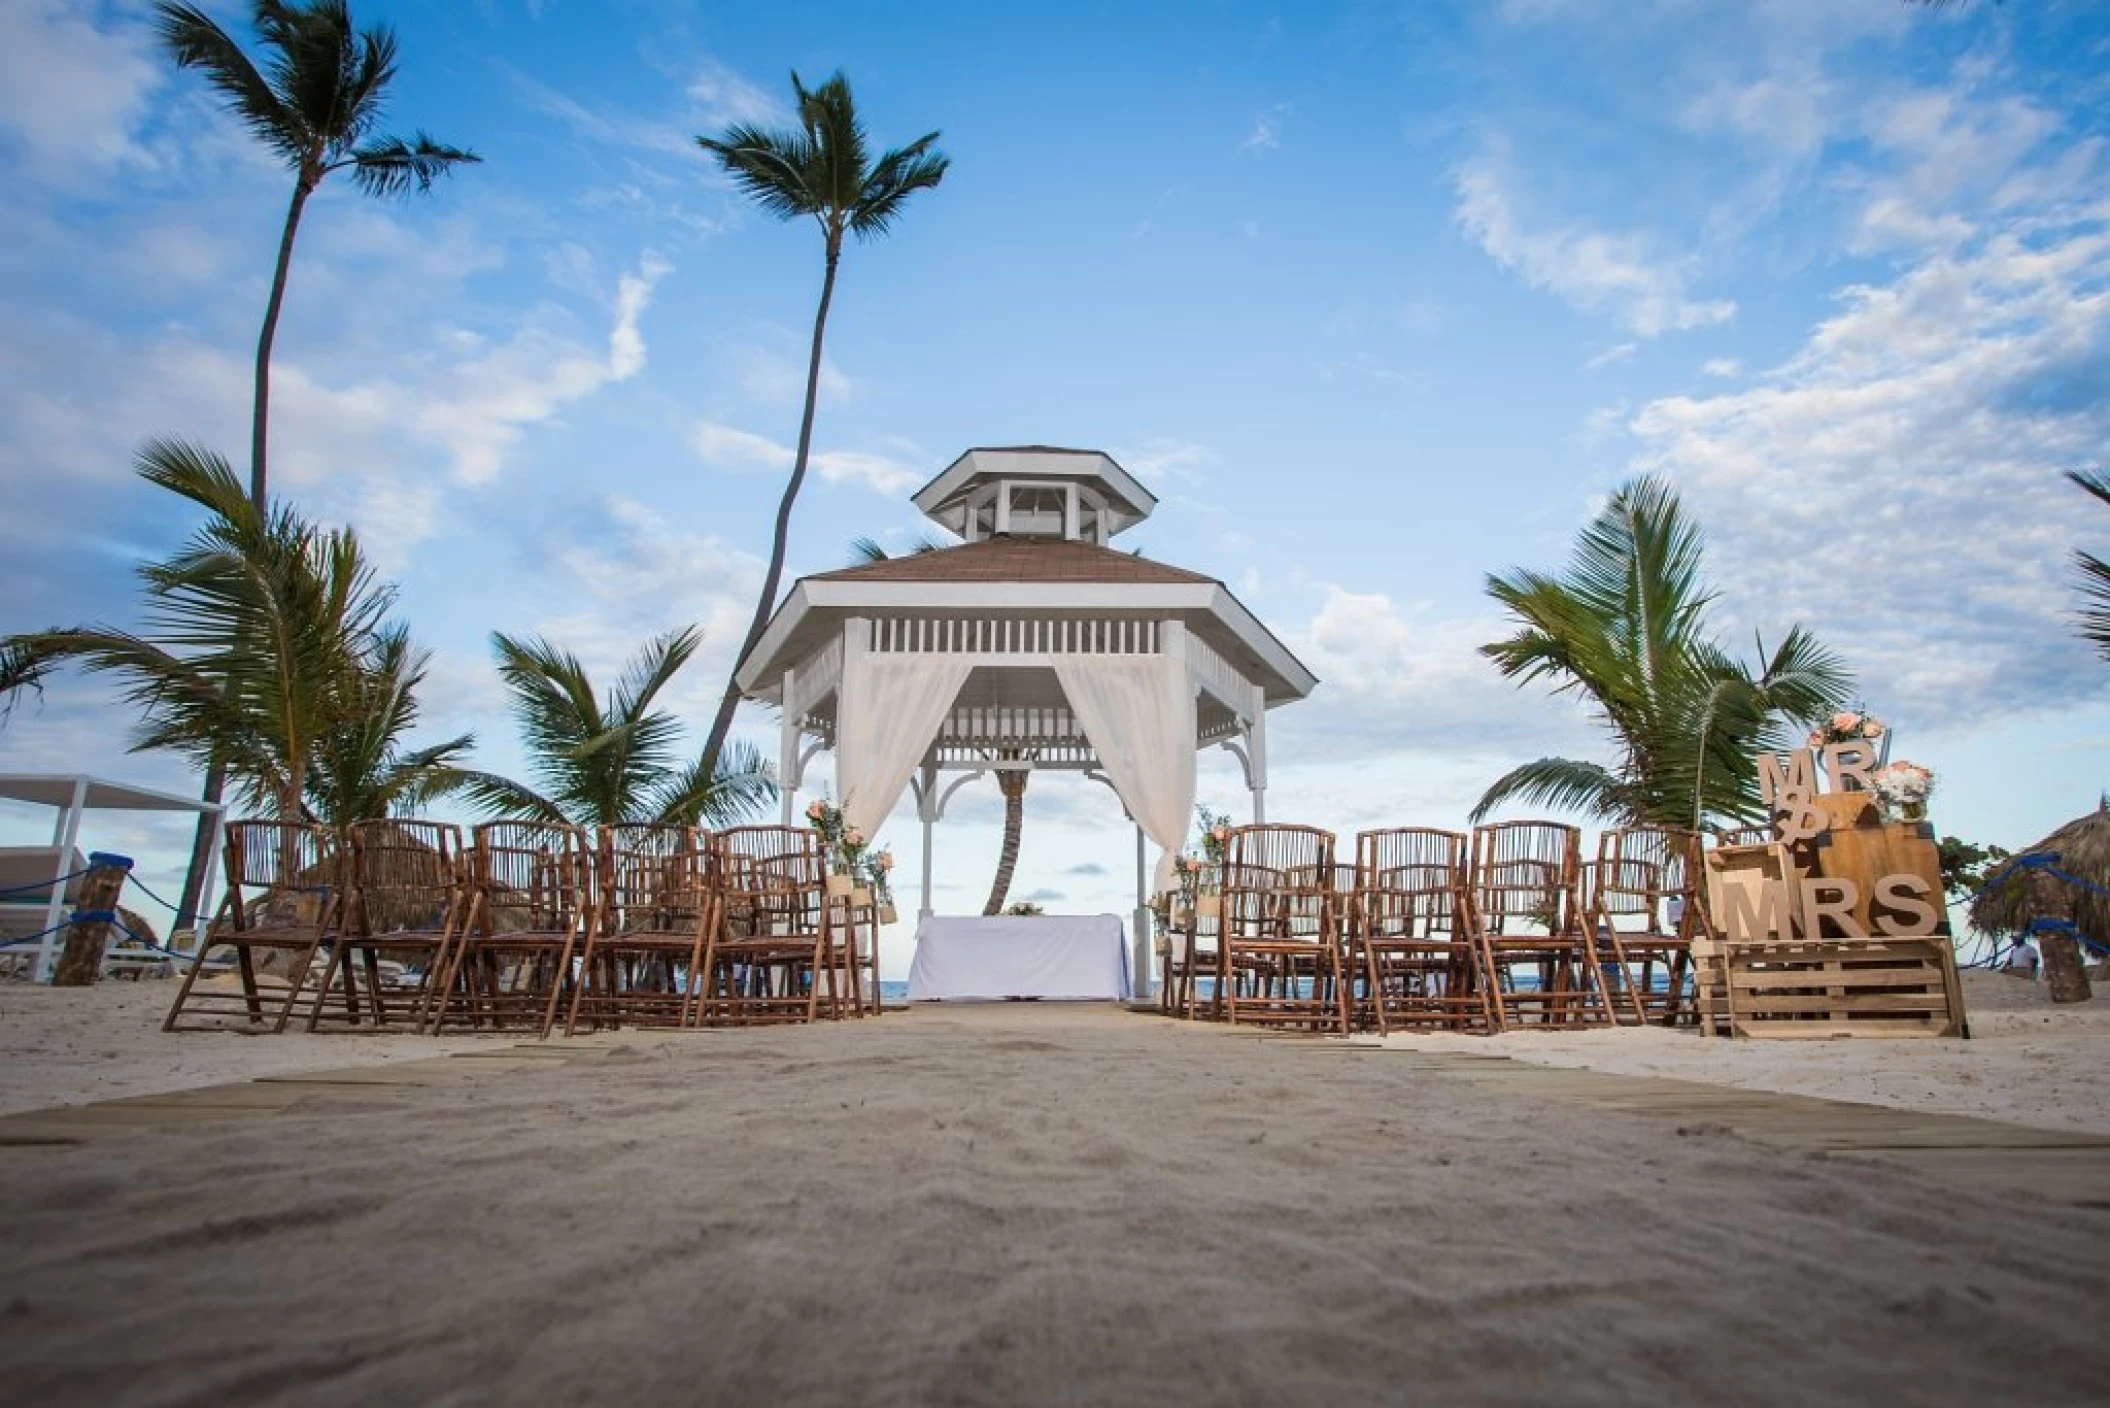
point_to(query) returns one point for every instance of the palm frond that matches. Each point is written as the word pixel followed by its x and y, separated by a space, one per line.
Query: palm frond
pixel 2093 572
pixel 772 169
pixel 394 166
pixel 193 40
pixel 740 788
pixel 894 178
pixel 1564 783
pixel 502 797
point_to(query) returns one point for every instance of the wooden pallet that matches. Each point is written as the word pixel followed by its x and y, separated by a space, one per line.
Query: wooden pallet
pixel 1852 987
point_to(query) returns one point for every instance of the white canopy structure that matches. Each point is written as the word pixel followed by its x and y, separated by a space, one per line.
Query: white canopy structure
pixel 71 795
pixel 1032 644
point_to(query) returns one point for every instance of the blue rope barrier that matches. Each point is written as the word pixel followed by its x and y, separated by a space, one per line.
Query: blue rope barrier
pixel 44 885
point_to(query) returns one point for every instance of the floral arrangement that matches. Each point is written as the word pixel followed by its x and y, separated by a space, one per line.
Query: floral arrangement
pixel 1848 726
pixel 845 843
pixel 875 872
pixel 1215 829
pixel 1904 788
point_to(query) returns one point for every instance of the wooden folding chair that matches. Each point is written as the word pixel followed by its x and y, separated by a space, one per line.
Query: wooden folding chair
pixel 643 957
pixel 772 948
pixel 1529 873
pixel 1420 958
pixel 530 898
pixel 1281 960
pixel 284 899
pixel 1644 911
pixel 1194 947
pixel 403 903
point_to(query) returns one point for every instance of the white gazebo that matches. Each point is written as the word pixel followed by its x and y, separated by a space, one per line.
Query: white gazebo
pixel 1031 644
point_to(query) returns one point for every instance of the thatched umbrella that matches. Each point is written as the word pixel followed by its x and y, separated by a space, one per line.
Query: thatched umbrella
pixel 2032 892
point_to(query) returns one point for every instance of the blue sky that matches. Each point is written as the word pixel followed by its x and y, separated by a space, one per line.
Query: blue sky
pixel 1379 298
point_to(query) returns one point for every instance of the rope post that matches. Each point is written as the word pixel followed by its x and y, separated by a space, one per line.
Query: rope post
pixel 88 932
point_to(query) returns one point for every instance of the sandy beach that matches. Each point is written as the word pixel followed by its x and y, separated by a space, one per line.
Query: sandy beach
pixel 2027 1062
pixel 1016 1204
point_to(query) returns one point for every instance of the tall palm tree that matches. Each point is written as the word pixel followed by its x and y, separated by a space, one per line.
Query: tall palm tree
pixel 2094 572
pixel 314 104
pixel 820 171
pixel 604 761
pixel 1625 629
pixel 260 635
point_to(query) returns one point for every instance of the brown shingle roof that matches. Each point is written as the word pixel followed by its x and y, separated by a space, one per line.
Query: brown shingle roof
pixel 1017 560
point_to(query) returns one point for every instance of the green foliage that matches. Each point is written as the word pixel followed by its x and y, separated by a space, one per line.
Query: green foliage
pixel 823 168
pixel 1965 868
pixel 317 98
pixel 1624 628
pixel 266 648
pixel 2094 572
pixel 603 761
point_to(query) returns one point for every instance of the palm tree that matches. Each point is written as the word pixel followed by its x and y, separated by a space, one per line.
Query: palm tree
pixel 819 171
pixel 361 770
pixel 603 762
pixel 1012 783
pixel 2094 572
pixel 314 104
pixel 261 636
pixel 1625 628
pixel 20 668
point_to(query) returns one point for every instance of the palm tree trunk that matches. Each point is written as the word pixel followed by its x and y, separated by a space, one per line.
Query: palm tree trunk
pixel 1013 783
pixel 259 418
pixel 765 603
pixel 260 413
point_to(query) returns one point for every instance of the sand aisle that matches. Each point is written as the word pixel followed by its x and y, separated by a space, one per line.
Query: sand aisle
pixel 1016 1205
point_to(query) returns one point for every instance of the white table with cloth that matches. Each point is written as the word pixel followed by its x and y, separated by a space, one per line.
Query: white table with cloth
pixel 1073 956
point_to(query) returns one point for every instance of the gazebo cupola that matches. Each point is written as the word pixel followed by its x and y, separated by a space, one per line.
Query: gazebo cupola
pixel 1035 491
pixel 1030 644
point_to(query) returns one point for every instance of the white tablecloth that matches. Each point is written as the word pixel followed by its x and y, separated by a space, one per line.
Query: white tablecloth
pixel 1080 956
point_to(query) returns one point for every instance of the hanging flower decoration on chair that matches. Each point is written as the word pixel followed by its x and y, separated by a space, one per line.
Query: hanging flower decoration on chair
pixel 874 871
pixel 845 844
pixel 1904 788
pixel 1848 726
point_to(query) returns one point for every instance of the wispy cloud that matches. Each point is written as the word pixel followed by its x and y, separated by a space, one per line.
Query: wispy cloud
pixel 1627 277
pixel 1617 352
pixel 1724 367
pixel 727 447
pixel 1266 133
pixel 70 90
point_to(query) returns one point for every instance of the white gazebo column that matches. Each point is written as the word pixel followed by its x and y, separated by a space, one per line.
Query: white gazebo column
pixel 1256 753
pixel 927 813
pixel 1141 978
pixel 788 747
pixel 64 834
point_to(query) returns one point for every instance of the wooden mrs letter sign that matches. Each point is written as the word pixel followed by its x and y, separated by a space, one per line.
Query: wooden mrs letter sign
pixel 1841 883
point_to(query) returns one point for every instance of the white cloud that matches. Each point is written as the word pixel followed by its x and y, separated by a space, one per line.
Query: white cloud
pixel 1266 135
pixel 70 91
pixel 1895 483
pixel 719 96
pixel 1724 367
pixel 1625 277
pixel 1618 352
pixel 481 407
pixel 1163 461
pixel 728 447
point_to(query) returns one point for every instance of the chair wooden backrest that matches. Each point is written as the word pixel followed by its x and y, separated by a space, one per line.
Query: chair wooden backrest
pixel 405 876
pixel 1278 882
pixel 1409 879
pixel 772 876
pixel 1640 867
pixel 1527 870
pixel 653 878
pixel 280 874
pixel 529 877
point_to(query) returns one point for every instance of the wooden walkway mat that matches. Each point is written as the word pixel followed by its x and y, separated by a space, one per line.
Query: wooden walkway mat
pixel 2061 1166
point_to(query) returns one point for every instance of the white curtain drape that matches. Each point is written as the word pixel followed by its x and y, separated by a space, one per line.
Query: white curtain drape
pixel 1138 712
pixel 887 713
